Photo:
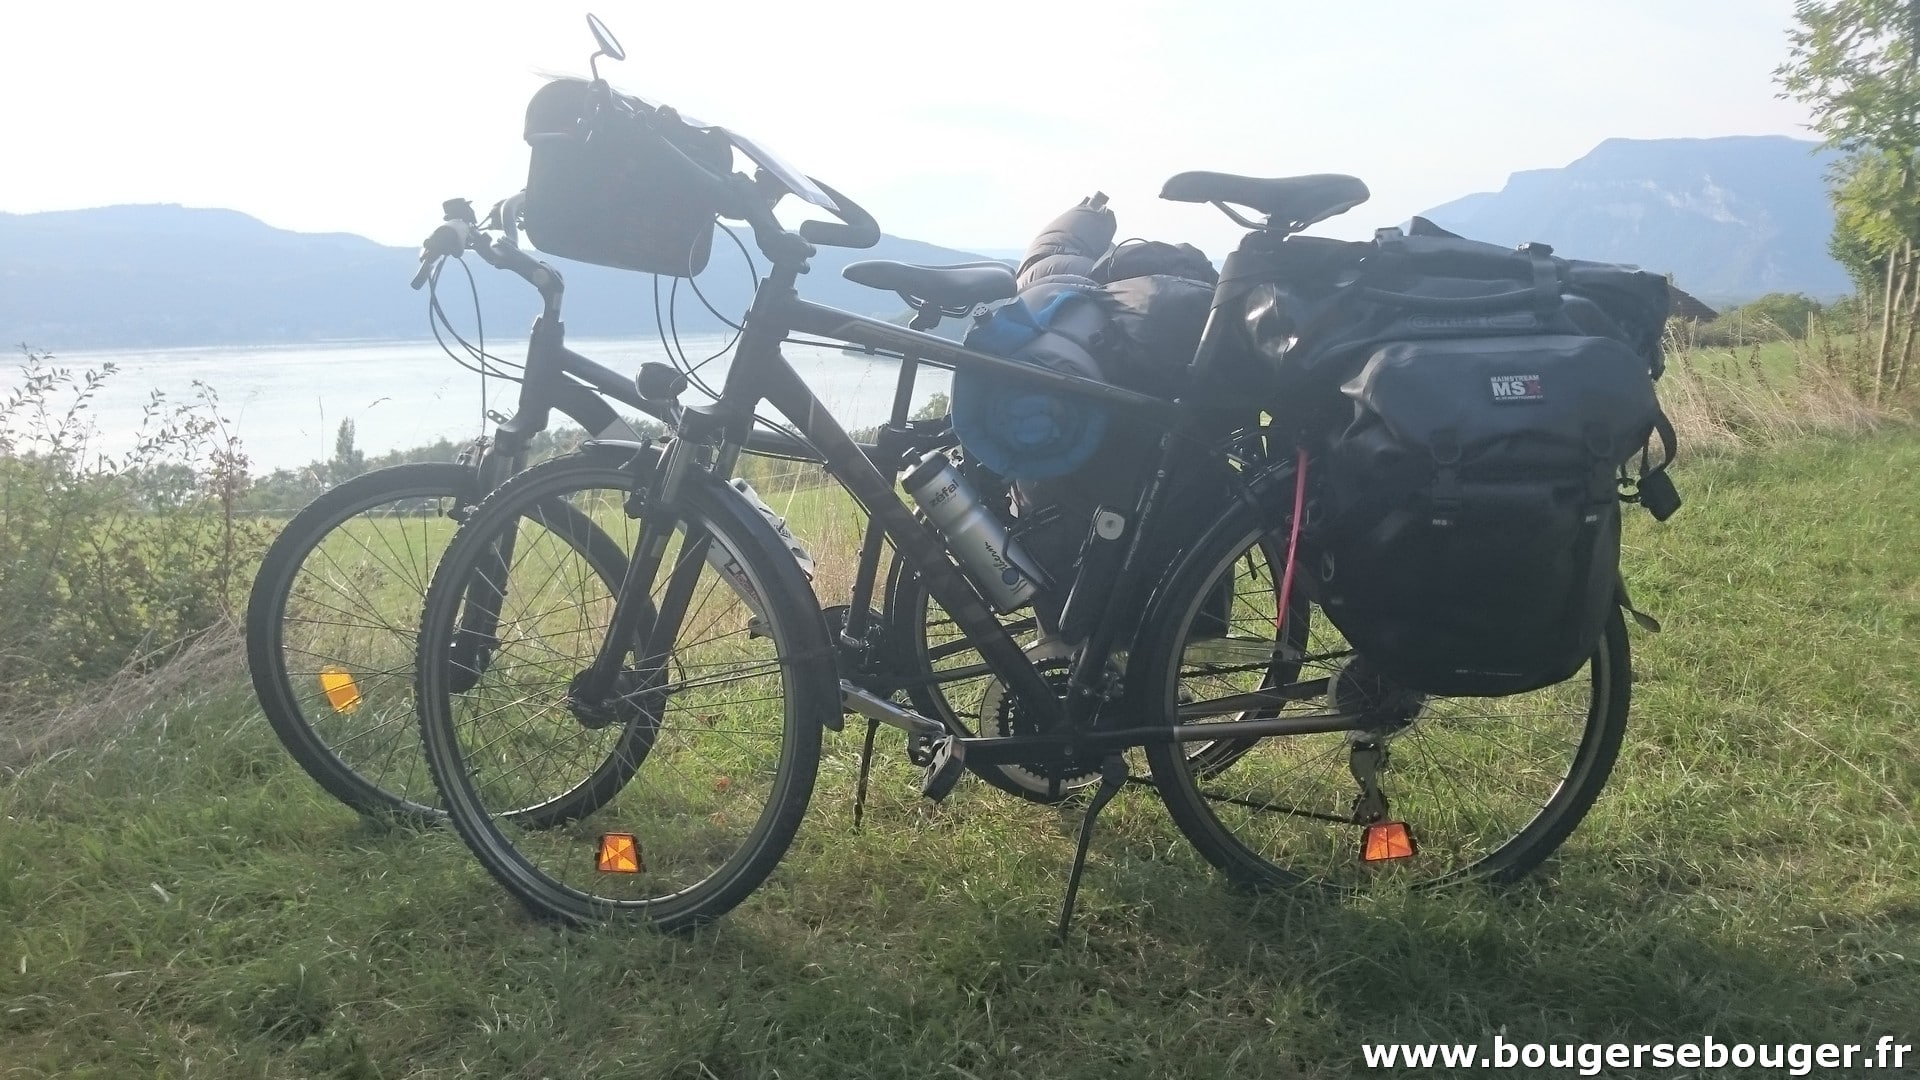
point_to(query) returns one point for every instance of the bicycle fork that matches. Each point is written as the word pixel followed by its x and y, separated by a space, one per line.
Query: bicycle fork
pixel 478 633
pixel 637 626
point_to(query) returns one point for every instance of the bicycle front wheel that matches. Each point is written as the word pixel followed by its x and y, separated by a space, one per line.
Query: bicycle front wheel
pixel 1489 787
pixel 332 623
pixel 686 785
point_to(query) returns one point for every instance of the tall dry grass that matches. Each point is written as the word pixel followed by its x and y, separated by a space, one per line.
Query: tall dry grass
pixel 1754 396
pixel 93 718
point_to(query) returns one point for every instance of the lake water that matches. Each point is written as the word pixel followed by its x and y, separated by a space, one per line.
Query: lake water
pixel 286 402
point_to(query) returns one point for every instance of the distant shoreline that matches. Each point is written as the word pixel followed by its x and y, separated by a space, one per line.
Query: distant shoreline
pixel 285 401
pixel 251 346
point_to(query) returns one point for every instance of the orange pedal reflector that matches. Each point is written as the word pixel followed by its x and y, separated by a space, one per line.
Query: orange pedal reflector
pixel 342 692
pixel 619 854
pixel 1387 840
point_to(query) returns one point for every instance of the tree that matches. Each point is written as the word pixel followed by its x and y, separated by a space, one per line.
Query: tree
pixel 1791 312
pixel 348 460
pixel 935 407
pixel 1856 63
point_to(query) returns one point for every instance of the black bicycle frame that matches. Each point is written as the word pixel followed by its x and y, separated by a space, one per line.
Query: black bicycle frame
pixel 555 377
pixel 712 436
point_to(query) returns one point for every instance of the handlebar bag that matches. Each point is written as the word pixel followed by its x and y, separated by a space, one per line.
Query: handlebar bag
pixel 615 181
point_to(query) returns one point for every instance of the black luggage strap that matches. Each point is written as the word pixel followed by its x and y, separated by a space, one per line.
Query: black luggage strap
pixel 1444 499
pixel 1546 279
pixel 1668 442
pixel 1653 488
pixel 1640 618
pixel 1602 490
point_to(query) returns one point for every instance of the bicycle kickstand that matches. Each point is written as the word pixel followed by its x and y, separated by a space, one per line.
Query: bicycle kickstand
pixel 1113 777
pixel 866 769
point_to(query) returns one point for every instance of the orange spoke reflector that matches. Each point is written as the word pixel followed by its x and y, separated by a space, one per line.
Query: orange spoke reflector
pixel 342 692
pixel 1387 840
pixel 619 854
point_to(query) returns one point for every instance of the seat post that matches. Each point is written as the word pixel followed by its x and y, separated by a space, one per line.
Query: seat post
pixel 853 633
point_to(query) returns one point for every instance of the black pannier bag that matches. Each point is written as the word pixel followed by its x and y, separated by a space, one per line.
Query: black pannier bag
pixel 1494 398
pixel 604 187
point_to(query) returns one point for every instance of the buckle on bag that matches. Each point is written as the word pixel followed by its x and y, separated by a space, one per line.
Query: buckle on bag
pixel 1445 501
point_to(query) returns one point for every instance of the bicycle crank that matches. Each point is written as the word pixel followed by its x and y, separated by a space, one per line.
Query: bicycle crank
pixel 1005 714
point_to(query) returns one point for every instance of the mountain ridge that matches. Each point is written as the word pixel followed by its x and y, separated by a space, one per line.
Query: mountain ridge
pixel 1730 217
pixel 163 275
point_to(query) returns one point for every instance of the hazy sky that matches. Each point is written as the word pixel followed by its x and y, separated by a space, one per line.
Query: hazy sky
pixel 968 124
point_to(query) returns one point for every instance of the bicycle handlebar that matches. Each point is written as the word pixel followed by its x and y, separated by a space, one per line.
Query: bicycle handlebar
pixel 451 238
pixel 857 228
pixel 456 237
pixel 745 200
pixel 506 216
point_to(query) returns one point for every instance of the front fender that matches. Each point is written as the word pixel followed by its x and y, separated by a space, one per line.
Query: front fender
pixel 762 531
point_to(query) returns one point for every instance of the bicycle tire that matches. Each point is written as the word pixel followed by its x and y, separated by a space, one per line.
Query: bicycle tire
pixel 1252 817
pixel 675 779
pixel 376 769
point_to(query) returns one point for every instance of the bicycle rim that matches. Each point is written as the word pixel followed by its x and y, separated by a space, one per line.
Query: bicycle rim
pixel 1488 787
pixel 332 622
pixel 690 793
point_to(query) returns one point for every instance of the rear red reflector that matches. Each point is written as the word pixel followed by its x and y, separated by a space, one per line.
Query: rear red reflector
pixel 1387 840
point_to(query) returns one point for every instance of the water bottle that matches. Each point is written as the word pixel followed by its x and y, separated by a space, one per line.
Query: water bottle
pixel 976 536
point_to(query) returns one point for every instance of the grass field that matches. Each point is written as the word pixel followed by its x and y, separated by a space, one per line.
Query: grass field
pixel 177 899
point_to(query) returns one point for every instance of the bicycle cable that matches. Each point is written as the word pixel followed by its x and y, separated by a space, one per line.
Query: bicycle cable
pixel 494 366
pixel 668 326
pixel 480 337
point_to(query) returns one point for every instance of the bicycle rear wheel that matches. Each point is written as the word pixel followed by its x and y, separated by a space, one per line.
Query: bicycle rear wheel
pixel 688 785
pixel 332 622
pixel 1489 787
pixel 954 686
pixel 951 681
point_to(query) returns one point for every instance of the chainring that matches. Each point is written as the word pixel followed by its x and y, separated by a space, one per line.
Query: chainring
pixel 1005 714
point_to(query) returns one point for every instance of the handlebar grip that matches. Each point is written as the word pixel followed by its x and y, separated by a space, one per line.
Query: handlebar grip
pixel 858 231
pixel 449 239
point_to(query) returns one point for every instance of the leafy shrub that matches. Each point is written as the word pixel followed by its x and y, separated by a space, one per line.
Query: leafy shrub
pixel 111 562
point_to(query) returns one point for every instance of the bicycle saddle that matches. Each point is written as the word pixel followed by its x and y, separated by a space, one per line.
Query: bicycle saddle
pixel 960 285
pixel 1297 201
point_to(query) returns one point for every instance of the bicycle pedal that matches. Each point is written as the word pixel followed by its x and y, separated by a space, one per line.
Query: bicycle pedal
pixel 920 750
pixel 944 771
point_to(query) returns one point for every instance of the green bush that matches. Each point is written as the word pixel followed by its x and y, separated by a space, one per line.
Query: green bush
pixel 1773 317
pixel 110 562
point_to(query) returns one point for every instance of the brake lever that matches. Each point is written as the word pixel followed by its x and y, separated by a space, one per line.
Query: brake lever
pixel 452 238
pixel 508 212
